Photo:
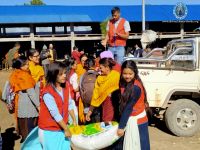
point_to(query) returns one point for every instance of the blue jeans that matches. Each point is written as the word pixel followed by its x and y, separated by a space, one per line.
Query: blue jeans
pixel 118 52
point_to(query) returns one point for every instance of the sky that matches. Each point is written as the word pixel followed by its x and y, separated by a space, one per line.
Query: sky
pixel 101 2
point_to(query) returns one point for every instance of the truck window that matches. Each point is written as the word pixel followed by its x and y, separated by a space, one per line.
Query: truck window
pixel 184 56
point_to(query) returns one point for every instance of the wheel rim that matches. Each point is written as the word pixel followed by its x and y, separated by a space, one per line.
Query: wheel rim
pixel 186 118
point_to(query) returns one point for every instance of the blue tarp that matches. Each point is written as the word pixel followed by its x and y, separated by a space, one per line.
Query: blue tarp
pixel 62 14
pixel 32 141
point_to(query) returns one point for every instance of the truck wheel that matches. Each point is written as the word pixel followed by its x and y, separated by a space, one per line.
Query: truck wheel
pixel 182 117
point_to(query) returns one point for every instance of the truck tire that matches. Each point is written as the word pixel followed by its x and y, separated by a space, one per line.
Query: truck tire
pixel 182 117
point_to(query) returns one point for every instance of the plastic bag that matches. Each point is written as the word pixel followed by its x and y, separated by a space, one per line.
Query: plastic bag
pixel 94 140
pixel 8 96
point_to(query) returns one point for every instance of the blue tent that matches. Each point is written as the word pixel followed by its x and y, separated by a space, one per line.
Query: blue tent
pixel 63 14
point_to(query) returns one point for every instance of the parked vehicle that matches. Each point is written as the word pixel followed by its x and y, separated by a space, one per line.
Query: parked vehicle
pixel 172 82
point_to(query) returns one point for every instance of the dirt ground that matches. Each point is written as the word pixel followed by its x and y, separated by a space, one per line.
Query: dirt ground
pixel 160 136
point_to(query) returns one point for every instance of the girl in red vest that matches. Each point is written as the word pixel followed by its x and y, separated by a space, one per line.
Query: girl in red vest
pixel 133 124
pixel 74 86
pixel 72 76
pixel 53 117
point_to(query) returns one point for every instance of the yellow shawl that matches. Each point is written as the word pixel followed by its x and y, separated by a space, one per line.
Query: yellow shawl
pixel 37 72
pixel 80 70
pixel 104 86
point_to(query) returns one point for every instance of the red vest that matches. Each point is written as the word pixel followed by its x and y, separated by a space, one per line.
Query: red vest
pixel 46 121
pixel 116 41
pixel 139 107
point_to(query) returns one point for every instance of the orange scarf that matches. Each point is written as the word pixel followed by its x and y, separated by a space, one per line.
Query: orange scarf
pixel 20 80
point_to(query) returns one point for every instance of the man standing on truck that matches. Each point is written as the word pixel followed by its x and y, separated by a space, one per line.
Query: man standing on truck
pixel 117 33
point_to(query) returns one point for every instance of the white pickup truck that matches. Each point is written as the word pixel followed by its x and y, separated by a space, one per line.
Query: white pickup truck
pixel 172 82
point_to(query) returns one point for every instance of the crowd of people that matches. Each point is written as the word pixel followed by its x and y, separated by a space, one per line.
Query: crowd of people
pixel 81 90
pixel 47 55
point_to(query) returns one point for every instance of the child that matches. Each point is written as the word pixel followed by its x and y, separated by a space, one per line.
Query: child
pixel 74 87
pixel 53 117
pixel 132 109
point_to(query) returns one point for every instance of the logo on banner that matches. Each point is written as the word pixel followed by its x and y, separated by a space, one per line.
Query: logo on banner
pixel 180 11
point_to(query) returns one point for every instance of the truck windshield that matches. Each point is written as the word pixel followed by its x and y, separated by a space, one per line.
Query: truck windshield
pixel 181 54
pixel 187 48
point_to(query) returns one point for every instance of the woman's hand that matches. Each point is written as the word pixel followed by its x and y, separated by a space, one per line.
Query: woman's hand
pixel 74 123
pixel 67 133
pixel 120 132
pixel 65 128
pixel 87 117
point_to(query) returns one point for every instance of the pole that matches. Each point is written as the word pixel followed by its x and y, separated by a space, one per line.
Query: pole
pixel 143 15
pixel 72 36
pixel 32 36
